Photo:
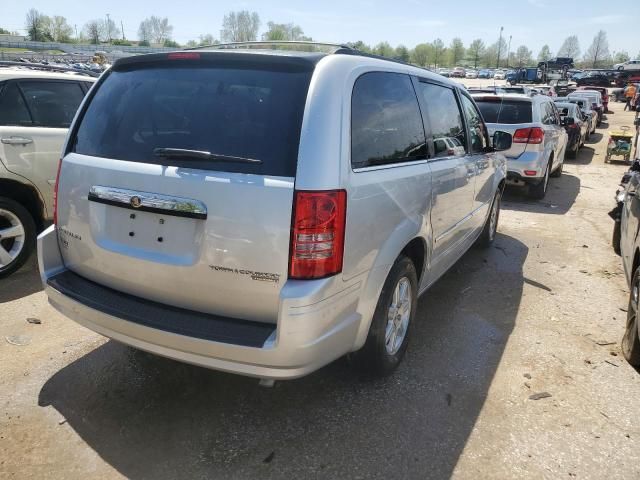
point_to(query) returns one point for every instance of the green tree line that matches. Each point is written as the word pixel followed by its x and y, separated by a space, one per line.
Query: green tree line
pixel 242 26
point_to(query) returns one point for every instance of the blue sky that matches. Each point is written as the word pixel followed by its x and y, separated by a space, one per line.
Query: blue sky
pixel 529 22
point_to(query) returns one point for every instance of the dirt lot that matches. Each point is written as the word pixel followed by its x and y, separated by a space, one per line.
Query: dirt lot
pixel 542 311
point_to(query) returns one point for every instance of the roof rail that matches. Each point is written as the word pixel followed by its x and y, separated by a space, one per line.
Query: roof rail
pixel 48 68
pixel 278 44
pixel 332 48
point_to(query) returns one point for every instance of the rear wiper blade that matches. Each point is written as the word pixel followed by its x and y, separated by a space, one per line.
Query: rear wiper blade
pixel 202 154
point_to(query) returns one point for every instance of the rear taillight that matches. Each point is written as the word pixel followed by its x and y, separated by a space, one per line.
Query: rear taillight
pixel 55 194
pixel 317 234
pixel 528 135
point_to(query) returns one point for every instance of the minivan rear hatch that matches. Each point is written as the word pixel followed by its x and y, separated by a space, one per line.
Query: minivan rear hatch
pixel 178 178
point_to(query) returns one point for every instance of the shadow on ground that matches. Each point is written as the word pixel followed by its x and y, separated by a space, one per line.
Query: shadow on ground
pixel 22 283
pixel 151 417
pixel 561 195
pixel 584 157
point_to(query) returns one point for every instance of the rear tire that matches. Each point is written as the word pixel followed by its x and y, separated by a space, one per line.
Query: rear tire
pixel 630 344
pixel 538 192
pixel 391 324
pixel 19 236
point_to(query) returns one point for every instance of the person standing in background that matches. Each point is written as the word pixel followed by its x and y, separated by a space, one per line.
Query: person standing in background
pixel 630 94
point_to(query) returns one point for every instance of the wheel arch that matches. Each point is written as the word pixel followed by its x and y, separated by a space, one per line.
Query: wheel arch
pixel 415 248
pixel 27 196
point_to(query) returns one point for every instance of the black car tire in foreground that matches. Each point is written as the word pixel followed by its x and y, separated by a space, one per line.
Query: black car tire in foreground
pixel 630 341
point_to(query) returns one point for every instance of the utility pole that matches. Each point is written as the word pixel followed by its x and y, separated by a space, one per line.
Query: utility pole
pixel 109 28
pixel 499 47
pixel 76 27
pixel 509 52
pixel 122 27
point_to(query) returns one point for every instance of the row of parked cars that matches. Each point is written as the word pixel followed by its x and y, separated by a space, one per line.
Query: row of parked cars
pixel 545 128
pixel 259 212
pixel 461 72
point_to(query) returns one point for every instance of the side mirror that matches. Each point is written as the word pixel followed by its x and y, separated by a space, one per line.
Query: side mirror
pixel 502 141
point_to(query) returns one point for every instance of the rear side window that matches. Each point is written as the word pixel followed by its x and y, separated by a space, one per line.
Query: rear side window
pixel 548 113
pixel 386 126
pixel 445 119
pixel 506 111
pixel 52 104
pixel 250 113
pixel 13 110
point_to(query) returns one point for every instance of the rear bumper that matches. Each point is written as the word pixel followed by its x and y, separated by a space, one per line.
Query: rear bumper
pixel 313 327
pixel 528 161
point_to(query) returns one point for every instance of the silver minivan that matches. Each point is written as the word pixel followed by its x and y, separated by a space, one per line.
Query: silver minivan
pixel 266 212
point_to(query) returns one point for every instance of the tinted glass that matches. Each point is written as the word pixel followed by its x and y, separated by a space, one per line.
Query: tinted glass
pixel 445 119
pixel 477 129
pixel 386 126
pixel 552 114
pixel 52 104
pixel 241 112
pixel 13 110
pixel 507 111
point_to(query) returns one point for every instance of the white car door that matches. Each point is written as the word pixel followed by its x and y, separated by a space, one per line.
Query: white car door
pixel 35 117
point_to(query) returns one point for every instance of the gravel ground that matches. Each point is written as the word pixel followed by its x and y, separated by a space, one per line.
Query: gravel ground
pixel 542 312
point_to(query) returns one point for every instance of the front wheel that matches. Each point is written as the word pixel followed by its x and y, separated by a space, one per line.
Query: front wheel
pixel 391 324
pixel 17 236
pixel 630 344
pixel 490 229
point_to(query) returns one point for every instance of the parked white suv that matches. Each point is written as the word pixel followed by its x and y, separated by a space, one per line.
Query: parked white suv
pixel 267 212
pixel 36 109
pixel 539 137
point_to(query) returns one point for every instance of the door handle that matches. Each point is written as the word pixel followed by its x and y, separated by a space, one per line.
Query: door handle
pixel 16 141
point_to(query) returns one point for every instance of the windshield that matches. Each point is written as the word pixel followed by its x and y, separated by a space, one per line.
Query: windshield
pixel 507 111
pixel 233 112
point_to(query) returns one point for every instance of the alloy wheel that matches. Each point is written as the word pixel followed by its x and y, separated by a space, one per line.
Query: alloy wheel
pixel 398 316
pixel 493 219
pixel 12 238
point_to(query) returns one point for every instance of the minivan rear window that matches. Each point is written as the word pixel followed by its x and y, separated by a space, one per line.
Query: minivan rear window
pixel 230 111
pixel 506 111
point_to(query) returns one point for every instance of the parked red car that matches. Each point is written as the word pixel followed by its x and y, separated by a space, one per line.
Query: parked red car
pixel 603 92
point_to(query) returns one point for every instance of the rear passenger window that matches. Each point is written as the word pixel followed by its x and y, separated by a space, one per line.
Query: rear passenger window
pixel 551 116
pixel 13 110
pixel 545 114
pixel 52 104
pixel 445 119
pixel 477 129
pixel 386 126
